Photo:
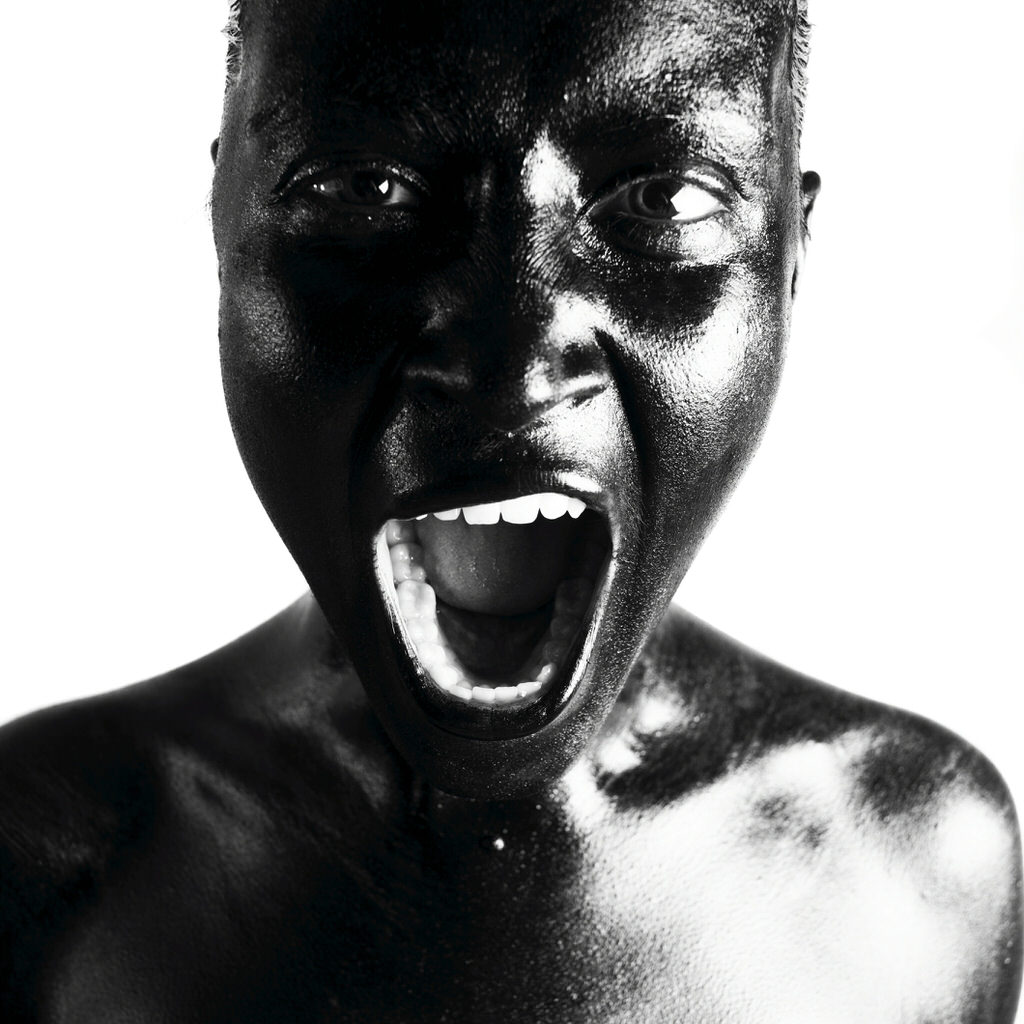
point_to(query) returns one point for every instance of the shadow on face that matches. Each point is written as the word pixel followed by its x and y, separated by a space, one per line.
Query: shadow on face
pixel 505 291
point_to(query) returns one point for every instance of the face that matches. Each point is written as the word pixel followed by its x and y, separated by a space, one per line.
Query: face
pixel 528 263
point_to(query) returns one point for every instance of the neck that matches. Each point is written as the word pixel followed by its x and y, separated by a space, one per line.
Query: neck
pixel 663 708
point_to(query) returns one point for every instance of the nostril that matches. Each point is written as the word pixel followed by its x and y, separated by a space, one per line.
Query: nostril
pixel 579 362
pixel 508 372
pixel 505 392
pixel 584 371
pixel 435 375
pixel 434 396
pixel 587 390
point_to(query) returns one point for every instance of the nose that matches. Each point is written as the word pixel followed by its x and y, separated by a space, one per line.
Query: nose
pixel 511 361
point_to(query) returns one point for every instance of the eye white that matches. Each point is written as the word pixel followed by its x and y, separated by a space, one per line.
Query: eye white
pixel 366 187
pixel 666 200
pixel 693 203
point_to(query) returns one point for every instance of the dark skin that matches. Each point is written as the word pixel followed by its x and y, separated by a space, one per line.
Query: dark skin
pixel 296 828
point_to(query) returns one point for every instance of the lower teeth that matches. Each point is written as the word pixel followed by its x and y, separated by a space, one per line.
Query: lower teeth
pixel 401 559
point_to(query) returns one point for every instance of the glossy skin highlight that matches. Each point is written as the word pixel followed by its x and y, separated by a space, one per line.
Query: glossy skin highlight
pixel 511 330
pixel 281 831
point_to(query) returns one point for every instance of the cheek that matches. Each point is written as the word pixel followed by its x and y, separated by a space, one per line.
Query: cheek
pixel 302 355
pixel 297 321
pixel 703 387
pixel 724 376
pixel 265 367
pixel 707 358
pixel 305 338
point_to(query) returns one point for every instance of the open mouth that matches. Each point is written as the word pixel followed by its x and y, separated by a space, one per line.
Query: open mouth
pixel 494 601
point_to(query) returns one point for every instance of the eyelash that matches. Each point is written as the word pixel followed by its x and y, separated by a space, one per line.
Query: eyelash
pixel 711 183
pixel 662 237
pixel 665 237
pixel 304 184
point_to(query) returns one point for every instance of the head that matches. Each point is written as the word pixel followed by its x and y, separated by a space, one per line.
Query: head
pixel 479 253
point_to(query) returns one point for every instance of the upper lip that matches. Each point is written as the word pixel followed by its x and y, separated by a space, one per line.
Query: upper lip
pixel 464 491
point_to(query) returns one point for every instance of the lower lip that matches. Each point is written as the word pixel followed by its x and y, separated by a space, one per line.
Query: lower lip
pixel 449 693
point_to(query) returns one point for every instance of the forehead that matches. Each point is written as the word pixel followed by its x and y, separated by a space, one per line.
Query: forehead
pixel 500 63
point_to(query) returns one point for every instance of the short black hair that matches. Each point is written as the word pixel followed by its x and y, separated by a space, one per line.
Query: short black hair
pixel 799 48
pixel 233 31
pixel 799 51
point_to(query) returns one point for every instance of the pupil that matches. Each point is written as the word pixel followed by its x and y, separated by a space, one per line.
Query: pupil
pixel 370 186
pixel 654 198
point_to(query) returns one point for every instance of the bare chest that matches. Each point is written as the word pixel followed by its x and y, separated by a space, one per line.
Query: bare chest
pixel 725 907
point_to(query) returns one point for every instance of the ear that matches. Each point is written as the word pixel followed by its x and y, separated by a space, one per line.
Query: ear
pixel 214 146
pixel 810 186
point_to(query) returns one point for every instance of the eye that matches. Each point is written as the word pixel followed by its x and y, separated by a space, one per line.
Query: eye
pixel 665 199
pixel 684 215
pixel 363 186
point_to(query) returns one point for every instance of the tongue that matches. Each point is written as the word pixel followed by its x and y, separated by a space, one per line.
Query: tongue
pixel 504 569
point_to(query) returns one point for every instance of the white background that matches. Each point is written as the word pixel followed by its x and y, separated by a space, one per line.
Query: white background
pixel 875 542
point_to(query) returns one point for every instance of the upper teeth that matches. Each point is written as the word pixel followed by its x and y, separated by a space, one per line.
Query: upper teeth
pixel 517 510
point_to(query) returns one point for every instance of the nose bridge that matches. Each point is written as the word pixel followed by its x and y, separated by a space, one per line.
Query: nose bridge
pixel 509 333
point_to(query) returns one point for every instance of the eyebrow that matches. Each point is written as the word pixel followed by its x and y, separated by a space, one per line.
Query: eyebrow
pixel 722 138
pixel 417 123
pixel 619 130
pixel 420 133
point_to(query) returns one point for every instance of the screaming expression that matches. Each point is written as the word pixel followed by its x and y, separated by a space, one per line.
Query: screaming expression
pixel 504 300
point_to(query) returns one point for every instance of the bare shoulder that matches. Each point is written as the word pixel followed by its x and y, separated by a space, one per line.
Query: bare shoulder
pixel 897 818
pixel 84 784
pixel 76 787
pixel 72 778
pixel 899 765
pixel 75 778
